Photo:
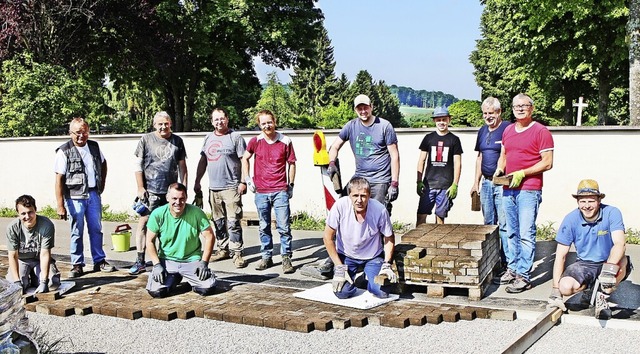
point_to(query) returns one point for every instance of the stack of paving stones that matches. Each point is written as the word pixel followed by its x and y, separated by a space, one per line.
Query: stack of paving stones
pixel 443 257
pixel 121 295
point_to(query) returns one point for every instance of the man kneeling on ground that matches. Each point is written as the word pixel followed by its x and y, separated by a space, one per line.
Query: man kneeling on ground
pixel 30 238
pixel 359 225
pixel 597 231
pixel 178 225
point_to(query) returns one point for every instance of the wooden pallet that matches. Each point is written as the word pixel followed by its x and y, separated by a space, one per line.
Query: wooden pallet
pixel 475 292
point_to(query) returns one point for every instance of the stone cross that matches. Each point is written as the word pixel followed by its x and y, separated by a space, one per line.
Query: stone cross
pixel 580 105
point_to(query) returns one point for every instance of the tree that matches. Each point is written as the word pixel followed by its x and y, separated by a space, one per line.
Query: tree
pixel 633 31
pixel 466 113
pixel 276 98
pixel 314 81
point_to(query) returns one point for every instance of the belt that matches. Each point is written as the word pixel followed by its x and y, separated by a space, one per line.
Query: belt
pixel 488 178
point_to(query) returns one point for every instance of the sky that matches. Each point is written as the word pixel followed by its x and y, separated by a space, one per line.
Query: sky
pixel 422 44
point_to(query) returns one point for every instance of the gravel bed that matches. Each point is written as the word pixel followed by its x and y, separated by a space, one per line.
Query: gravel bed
pixel 96 333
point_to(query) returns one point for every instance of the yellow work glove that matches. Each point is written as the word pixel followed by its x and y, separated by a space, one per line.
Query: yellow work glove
pixel 516 179
pixel 452 192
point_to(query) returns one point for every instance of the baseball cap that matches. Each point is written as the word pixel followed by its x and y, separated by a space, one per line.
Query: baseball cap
pixel 361 99
pixel 440 112
pixel 587 188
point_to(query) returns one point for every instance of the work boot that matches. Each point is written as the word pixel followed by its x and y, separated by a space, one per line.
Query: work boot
pixel 220 255
pixel 507 277
pixel 602 310
pixel 264 264
pixel 238 261
pixel 287 267
pixel 76 271
pixel 519 285
pixel 103 266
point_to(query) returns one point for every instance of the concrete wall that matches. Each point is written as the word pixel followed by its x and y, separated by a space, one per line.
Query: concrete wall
pixel 607 154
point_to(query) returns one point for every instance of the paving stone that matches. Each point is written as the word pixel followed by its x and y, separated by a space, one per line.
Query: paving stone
pixel 396 321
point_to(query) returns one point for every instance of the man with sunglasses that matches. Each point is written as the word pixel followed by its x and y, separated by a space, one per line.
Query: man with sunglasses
pixel 527 152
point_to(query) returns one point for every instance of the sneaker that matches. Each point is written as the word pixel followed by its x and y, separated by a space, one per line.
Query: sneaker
pixel 76 271
pixel 602 311
pixel 287 267
pixel 507 277
pixel 238 261
pixel 103 266
pixel 219 255
pixel 138 268
pixel 518 286
pixel 264 264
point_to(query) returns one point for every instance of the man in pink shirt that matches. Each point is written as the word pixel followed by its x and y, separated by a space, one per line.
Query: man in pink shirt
pixel 527 152
pixel 272 182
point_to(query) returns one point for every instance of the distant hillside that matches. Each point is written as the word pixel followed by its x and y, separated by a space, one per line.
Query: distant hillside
pixel 422 98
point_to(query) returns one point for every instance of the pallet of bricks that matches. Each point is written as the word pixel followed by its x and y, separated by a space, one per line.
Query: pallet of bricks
pixel 443 257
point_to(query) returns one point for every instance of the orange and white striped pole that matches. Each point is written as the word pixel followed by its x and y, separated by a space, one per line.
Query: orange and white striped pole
pixel 332 188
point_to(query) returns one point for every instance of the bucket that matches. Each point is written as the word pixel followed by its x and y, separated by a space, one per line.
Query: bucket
pixel 121 238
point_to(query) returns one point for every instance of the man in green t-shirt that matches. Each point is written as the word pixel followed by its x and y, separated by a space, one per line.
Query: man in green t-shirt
pixel 30 238
pixel 177 226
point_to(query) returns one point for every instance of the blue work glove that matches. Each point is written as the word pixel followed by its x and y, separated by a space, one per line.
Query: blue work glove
pixel 555 300
pixel 452 192
pixel 250 185
pixel 392 193
pixel 340 277
pixel 203 272
pixel 197 201
pixel 420 188
pixel 332 169
pixel 159 274
pixel 290 190
pixel 43 287
pixel 386 270
pixel 516 179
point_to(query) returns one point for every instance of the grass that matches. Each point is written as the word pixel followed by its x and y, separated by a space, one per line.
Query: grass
pixel 51 213
pixel 304 221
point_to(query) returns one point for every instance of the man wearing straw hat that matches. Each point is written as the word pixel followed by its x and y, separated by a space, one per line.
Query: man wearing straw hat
pixel 597 232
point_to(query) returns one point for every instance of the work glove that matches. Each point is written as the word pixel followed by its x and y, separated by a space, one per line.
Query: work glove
pixel 290 190
pixel 498 173
pixel 452 192
pixel 250 185
pixel 197 201
pixel 516 179
pixel 43 287
pixel 143 195
pixel 159 274
pixel 392 193
pixel 340 277
pixel 386 270
pixel 555 300
pixel 332 169
pixel 203 272
pixel 420 188
pixel 607 275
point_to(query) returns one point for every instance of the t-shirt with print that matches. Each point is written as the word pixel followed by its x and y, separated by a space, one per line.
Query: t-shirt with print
pixel 523 149
pixel 369 146
pixel 160 160
pixel 592 240
pixel 489 144
pixel 179 238
pixel 223 154
pixel 440 151
pixel 29 242
pixel 359 240
pixel 270 163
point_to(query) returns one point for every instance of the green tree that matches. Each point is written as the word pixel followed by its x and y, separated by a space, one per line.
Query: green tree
pixel 335 117
pixel 466 113
pixel 276 98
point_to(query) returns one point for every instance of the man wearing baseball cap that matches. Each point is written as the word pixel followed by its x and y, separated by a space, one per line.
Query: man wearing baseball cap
pixel 597 232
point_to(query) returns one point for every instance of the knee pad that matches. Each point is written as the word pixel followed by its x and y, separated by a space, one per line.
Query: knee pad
pixel 204 291
pixel 159 293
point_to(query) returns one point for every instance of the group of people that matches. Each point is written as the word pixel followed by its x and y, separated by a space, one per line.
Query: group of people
pixel 358 233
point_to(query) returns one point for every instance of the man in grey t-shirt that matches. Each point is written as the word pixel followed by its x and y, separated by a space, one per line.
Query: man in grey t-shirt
pixel 221 158
pixel 160 160
pixel 30 238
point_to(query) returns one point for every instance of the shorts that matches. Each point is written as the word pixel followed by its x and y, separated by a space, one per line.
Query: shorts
pixel 437 198
pixel 156 200
pixel 586 272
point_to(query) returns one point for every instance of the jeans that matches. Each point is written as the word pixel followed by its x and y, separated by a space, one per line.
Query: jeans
pixel 521 210
pixel 379 193
pixel 91 210
pixel 279 202
pixel 371 270
pixel 491 200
